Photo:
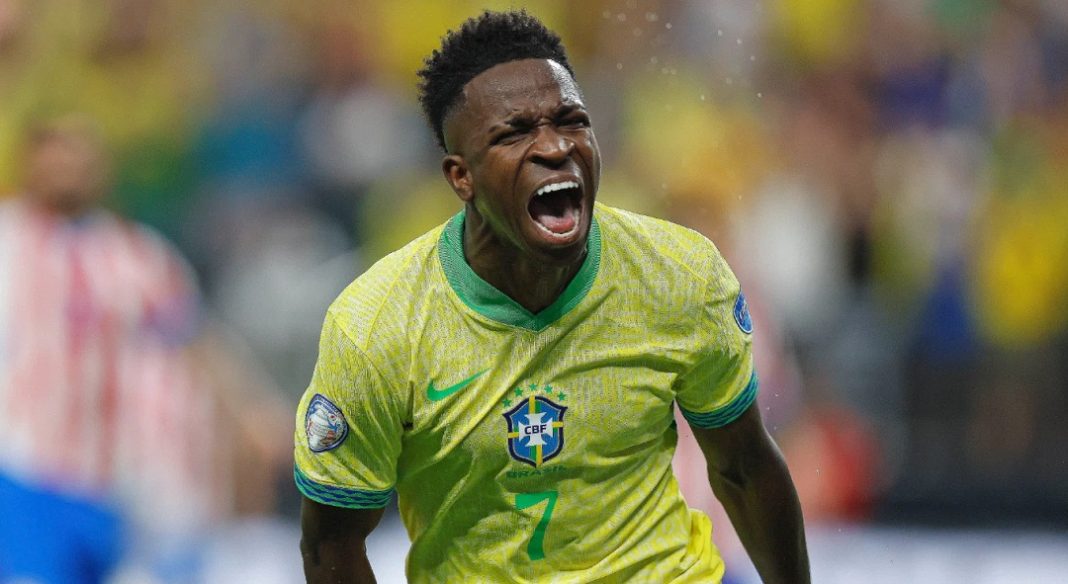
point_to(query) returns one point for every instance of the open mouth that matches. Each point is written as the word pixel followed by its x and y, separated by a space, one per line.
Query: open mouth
pixel 557 207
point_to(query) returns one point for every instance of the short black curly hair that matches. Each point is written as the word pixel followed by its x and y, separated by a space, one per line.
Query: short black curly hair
pixel 480 43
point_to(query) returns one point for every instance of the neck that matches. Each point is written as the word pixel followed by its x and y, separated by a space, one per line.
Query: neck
pixel 59 209
pixel 531 282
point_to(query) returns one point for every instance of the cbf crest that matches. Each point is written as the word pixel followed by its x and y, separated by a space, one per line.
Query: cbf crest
pixel 324 425
pixel 536 427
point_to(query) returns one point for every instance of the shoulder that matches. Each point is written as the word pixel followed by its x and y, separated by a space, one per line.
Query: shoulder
pixel 661 247
pixel 9 206
pixel 141 255
pixel 145 239
pixel 12 218
pixel 375 304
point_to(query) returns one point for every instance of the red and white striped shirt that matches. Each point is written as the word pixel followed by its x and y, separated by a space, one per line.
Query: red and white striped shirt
pixel 97 392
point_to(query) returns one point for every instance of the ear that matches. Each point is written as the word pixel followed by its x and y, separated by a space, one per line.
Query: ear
pixel 458 175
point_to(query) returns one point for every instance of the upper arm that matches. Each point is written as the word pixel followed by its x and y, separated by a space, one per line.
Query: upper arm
pixel 731 450
pixel 717 396
pixel 721 383
pixel 172 310
pixel 349 427
pixel 326 525
pixel 332 543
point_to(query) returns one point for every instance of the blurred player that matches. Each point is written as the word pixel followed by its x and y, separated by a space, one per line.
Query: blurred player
pixel 97 404
pixel 512 373
pixel 107 416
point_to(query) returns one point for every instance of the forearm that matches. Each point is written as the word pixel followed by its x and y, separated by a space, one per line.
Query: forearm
pixel 763 507
pixel 342 562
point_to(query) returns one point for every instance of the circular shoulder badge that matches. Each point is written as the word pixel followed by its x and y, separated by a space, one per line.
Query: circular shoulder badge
pixel 324 424
pixel 741 314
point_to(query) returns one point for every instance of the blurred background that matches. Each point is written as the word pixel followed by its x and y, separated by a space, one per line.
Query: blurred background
pixel 888 178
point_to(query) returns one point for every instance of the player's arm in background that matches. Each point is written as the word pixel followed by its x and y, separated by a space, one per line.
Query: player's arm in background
pixel 333 543
pixel 236 436
pixel 346 445
pixel 750 478
pixel 256 456
pixel 746 471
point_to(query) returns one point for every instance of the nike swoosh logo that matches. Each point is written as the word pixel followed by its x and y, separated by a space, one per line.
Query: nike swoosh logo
pixel 439 394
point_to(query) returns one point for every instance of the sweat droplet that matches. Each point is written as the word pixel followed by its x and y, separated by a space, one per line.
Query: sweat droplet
pixel 668 26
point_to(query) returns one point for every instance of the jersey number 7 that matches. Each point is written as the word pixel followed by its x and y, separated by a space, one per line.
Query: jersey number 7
pixel 536 549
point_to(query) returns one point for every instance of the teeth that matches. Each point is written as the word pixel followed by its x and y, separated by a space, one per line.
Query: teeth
pixel 570 184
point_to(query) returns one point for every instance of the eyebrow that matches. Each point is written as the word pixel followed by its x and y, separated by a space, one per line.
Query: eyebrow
pixel 570 106
pixel 520 119
pixel 523 118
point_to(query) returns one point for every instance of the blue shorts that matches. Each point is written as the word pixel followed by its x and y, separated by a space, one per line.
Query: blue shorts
pixel 55 538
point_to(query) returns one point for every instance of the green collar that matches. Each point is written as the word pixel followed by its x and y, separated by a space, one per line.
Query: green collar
pixel 490 302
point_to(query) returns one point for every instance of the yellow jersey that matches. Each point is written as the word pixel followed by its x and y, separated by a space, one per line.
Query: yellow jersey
pixel 531 447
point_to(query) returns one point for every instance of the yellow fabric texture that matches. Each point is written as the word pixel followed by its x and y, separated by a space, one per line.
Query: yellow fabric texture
pixel 655 326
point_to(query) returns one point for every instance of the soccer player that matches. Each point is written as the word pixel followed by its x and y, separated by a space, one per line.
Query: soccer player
pixel 94 314
pixel 512 373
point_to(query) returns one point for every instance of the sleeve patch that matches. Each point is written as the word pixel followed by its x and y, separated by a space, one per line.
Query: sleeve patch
pixel 726 414
pixel 324 425
pixel 340 496
pixel 741 314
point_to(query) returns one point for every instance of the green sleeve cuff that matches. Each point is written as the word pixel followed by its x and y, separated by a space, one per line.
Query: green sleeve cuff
pixel 341 496
pixel 727 413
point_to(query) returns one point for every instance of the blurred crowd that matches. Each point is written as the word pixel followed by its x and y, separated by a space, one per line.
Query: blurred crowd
pixel 888 178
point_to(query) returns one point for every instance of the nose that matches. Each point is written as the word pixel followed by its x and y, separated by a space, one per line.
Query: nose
pixel 550 147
